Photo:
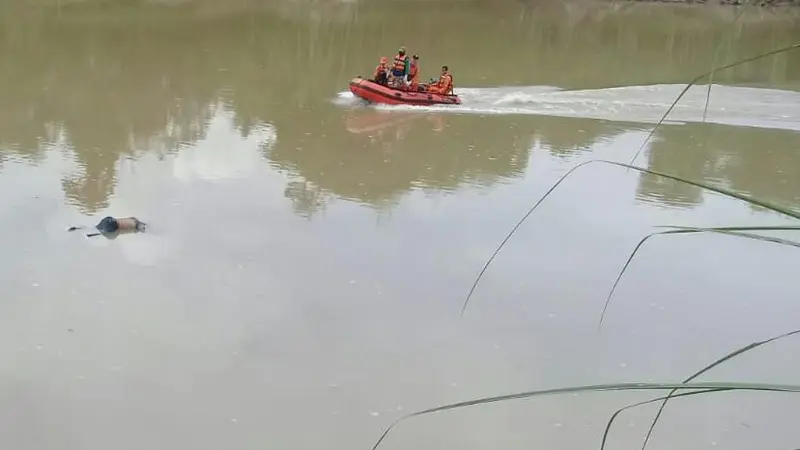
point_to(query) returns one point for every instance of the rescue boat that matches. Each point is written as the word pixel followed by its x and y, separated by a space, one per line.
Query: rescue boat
pixel 378 93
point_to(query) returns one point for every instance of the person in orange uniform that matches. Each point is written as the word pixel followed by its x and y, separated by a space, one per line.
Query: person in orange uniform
pixel 413 73
pixel 382 71
pixel 400 67
pixel 444 85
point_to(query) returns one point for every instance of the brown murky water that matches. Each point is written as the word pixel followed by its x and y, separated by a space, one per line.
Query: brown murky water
pixel 307 256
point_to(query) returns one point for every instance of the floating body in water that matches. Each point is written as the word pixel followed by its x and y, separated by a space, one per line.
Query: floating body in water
pixel 112 226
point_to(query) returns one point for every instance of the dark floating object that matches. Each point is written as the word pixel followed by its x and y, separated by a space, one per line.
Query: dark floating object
pixel 110 227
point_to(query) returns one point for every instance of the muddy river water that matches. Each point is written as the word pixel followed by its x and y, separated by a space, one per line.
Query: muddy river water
pixel 307 256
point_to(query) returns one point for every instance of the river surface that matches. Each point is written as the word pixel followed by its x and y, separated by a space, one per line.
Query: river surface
pixel 307 256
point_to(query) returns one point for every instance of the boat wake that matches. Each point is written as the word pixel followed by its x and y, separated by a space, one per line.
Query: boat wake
pixel 742 106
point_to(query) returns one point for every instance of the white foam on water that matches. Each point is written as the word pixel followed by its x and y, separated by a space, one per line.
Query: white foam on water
pixel 743 106
pixel 346 98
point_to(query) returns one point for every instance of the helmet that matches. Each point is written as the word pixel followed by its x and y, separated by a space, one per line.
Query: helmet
pixel 402 50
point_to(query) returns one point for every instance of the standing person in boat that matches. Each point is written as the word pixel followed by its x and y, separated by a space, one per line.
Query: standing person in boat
pixel 413 73
pixel 444 85
pixel 382 72
pixel 400 68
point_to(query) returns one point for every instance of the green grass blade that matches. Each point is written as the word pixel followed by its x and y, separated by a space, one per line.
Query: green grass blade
pixel 646 402
pixel 718 190
pixel 700 77
pixel 628 263
pixel 762 387
pixel 736 228
pixel 731 231
pixel 705 369
pixel 757 237
pixel 736 18
pixel 514 230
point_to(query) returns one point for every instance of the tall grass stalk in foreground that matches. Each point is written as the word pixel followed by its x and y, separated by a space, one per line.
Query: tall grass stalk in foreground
pixel 697 389
pixel 736 231
pixel 679 230
pixel 705 369
pixel 700 77
pixel 717 48
pixel 704 388
pixel 719 190
pixel 630 165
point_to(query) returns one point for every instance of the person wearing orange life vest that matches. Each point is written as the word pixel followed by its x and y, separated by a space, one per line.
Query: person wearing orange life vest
pixel 413 73
pixel 444 85
pixel 400 67
pixel 382 71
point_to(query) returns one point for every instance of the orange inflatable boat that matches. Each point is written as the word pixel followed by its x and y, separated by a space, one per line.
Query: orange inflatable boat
pixel 378 93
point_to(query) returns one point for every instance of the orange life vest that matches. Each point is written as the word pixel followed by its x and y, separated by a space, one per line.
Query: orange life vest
pixel 399 63
pixel 445 83
pixel 412 72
